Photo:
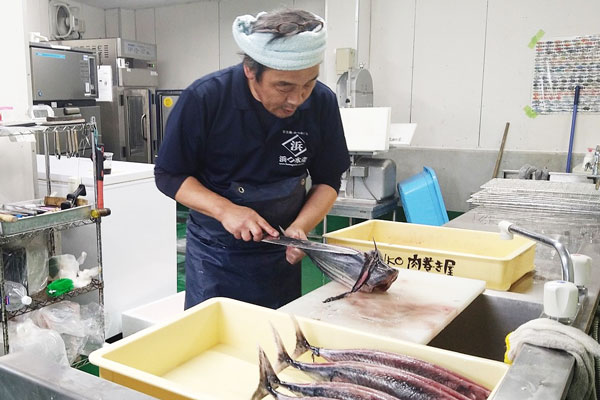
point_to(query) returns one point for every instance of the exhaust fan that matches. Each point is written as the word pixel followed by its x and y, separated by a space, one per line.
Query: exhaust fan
pixel 65 22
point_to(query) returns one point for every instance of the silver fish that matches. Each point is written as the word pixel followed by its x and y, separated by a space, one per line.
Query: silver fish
pixel 434 372
pixel 364 271
pixel 398 383
pixel 313 391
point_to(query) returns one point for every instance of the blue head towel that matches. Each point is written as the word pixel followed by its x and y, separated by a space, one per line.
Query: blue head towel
pixel 290 53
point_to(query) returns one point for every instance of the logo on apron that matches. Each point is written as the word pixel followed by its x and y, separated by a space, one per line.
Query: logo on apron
pixel 296 147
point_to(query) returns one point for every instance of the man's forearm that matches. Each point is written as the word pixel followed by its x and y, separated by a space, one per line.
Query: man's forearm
pixel 318 203
pixel 196 196
pixel 242 222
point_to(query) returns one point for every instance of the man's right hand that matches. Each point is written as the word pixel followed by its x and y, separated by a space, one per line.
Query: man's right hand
pixel 246 224
pixel 242 222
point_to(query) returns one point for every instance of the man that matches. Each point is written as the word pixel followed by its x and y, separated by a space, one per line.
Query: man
pixel 237 149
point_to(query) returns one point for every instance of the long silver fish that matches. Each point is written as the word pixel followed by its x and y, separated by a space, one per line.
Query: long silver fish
pixel 434 372
pixel 398 383
pixel 364 271
pixel 313 391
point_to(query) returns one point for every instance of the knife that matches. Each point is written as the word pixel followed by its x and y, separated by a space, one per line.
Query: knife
pixel 309 245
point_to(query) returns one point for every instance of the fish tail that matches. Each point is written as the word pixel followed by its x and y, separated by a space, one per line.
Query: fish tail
pixel 302 345
pixel 283 358
pixel 339 296
pixel 268 379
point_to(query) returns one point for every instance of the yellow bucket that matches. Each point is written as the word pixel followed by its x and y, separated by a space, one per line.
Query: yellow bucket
pixel 450 251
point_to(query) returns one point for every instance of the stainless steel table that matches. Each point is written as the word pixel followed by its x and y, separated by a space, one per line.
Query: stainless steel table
pixel 365 209
pixel 28 376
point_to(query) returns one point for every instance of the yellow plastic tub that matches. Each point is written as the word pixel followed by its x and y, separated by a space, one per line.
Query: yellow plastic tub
pixel 210 352
pixel 450 251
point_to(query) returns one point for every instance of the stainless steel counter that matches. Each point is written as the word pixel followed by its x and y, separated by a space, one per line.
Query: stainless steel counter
pixel 540 373
pixel 366 209
pixel 28 376
pixel 579 233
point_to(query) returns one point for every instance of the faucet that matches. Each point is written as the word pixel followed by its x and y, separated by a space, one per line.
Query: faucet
pixel 596 165
pixel 508 228
pixel 562 299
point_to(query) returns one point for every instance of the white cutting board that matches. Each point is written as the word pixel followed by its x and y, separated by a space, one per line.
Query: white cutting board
pixel 416 307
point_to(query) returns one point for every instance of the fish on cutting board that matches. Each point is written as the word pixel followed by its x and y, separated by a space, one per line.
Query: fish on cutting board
pixel 314 391
pixel 360 271
pixel 439 374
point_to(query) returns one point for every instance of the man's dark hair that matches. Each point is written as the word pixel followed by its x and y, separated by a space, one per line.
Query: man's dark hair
pixel 273 22
pixel 254 66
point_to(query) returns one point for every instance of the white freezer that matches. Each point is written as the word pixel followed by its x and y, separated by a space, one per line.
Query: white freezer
pixel 139 238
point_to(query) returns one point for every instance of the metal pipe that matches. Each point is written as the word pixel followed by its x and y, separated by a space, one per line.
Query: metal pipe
pixel 572 135
pixel 565 257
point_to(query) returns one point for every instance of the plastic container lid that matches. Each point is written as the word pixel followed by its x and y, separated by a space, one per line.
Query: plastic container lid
pixel 422 199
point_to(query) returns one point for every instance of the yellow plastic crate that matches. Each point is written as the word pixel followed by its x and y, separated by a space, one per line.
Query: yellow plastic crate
pixel 450 251
pixel 210 352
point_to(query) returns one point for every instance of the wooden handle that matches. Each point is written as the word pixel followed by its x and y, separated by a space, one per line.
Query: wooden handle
pixel 500 152
pixel 8 218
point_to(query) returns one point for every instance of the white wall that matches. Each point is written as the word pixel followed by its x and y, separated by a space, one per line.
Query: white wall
pixel 448 67
pixel 391 66
pixel 195 39
pixel 14 90
pixel 461 70
pixel 120 22
pixel 187 41
pixel 458 69
pixel 144 25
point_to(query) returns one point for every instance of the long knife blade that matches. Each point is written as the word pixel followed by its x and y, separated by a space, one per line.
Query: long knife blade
pixel 309 245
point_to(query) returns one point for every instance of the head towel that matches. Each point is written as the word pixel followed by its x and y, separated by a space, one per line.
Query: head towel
pixel 290 53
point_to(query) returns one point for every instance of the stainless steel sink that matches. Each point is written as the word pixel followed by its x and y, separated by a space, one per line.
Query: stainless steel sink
pixel 481 328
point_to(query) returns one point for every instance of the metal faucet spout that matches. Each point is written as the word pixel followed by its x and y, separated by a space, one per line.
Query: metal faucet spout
pixel 565 257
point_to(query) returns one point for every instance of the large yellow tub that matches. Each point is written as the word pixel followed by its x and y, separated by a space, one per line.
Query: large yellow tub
pixel 450 251
pixel 210 352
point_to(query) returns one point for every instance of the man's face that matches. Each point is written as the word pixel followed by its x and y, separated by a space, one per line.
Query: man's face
pixel 282 92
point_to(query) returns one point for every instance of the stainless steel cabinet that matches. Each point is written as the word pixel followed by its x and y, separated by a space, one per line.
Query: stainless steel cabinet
pixel 138 135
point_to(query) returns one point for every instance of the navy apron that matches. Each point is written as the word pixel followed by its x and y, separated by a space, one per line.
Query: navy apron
pixel 218 264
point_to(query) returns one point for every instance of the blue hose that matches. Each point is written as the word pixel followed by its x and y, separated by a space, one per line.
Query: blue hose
pixel 575 102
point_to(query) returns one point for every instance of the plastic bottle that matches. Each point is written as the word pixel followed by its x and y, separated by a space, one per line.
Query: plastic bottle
pixel 16 296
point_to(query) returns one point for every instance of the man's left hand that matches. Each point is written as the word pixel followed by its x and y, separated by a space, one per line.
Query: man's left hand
pixel 294 255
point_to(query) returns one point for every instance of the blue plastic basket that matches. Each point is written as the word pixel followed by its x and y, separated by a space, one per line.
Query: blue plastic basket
pixel 422 199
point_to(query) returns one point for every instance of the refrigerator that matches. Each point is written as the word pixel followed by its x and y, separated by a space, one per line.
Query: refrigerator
pixel 127 81
pixel 165 101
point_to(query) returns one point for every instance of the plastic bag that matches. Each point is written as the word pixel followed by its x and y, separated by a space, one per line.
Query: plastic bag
pixel 91 316
pixel 65 266
pixel 84 277
pixel 14 260
pixel 64 318
pixel 26 336
pixel 37 267
pixel 26 264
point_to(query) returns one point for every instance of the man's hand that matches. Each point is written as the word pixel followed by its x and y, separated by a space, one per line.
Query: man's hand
pixel 294 255
pixel 246 224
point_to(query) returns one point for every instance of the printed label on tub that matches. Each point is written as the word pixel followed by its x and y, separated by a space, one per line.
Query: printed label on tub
pixel 427 264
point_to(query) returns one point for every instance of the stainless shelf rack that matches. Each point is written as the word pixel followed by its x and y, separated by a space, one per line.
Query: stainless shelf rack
pixel 50 223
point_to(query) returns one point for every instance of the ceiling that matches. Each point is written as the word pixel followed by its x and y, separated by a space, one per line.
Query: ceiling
pixel 133 4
